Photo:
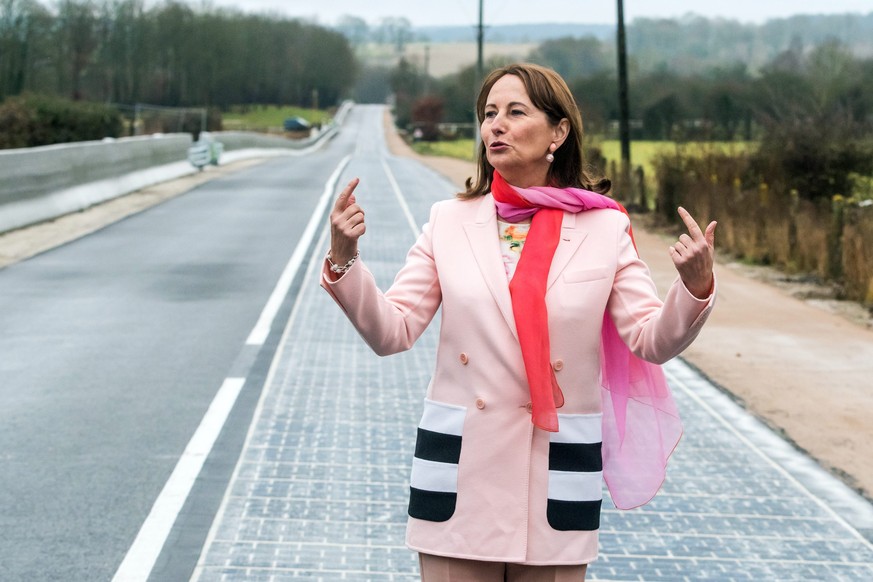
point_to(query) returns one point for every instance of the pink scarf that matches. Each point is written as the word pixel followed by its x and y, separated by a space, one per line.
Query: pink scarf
pixel 641 424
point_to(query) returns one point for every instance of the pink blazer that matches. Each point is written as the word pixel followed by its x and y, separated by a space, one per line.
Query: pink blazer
pixel 485 484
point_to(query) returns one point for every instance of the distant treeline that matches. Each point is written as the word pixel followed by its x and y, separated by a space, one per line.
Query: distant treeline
pixel 691 78
pixel 127 51
pixel 514 33
pixel 827 84
pixel 690 44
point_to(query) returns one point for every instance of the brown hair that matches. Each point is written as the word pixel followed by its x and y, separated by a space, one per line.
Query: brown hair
pixel 549 93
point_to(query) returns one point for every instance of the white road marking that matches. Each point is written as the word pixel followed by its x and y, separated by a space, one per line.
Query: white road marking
pixel 143 553
pixel 259 409
pixel 141 557
pixel 403 205
pixel 261 330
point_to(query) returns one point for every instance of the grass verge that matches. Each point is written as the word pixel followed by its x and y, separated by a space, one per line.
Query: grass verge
pixel 268 117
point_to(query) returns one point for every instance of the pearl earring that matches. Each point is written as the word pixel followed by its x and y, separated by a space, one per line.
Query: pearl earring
pixel 550 157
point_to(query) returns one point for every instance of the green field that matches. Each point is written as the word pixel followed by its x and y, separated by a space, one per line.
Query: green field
pixel 268 117
pixel 643 153
pixel 460 148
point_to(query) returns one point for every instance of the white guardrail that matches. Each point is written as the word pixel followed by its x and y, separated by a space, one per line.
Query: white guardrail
pixel 43 183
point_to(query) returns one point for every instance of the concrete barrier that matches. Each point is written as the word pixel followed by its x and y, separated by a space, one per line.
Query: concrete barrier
pixel 43 183
pixel 30 172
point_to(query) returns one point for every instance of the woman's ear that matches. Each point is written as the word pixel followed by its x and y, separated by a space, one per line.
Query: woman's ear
pixel 562 130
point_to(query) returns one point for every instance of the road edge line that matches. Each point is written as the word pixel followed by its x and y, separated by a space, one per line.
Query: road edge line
pixel 143 553
pixel 259 333
pixel 213 531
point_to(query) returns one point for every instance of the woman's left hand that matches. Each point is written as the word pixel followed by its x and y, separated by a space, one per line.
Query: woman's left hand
pixel 693 255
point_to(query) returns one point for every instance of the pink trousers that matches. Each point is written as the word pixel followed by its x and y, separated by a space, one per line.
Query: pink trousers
pixel 440 569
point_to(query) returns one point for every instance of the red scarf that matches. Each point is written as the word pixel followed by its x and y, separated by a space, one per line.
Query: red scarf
pixel 641 425
pixel 528 292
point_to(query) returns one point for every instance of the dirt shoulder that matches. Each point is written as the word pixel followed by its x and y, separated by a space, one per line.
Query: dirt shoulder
pixel 803 366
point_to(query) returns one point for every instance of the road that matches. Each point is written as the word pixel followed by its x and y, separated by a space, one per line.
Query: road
pixel 119 351
pixel 113 347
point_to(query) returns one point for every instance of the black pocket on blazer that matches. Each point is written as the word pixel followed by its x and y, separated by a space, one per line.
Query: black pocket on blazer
pixel 433 484
pixel 575 473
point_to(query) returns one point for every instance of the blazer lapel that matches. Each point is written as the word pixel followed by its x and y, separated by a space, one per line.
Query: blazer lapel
pixel 485 246
pixel 568 244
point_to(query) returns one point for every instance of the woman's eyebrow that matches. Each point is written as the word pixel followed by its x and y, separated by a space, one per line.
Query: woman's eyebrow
pixel 511 104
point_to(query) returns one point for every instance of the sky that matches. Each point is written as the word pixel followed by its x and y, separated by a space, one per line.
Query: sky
pixel 465 12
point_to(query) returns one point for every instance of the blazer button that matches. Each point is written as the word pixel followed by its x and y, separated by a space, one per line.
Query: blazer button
pixel 529 408
pixel 558 365
pixel 464 359
pixel 480 403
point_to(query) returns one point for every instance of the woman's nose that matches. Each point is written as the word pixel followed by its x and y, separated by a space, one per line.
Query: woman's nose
pixel 497 125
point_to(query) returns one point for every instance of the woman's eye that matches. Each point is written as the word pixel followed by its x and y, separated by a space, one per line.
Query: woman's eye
pixel 490 114
pixel 517 112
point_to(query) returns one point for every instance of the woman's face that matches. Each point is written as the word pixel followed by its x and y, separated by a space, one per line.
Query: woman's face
pixel 517 135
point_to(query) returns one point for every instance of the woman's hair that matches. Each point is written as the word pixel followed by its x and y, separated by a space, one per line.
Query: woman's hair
pixel 549 93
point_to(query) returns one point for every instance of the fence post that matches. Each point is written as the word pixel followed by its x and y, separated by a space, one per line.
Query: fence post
pixel 761 251
pixel 624 185
pixel 793 205
pixel 835 238
pixel 640 176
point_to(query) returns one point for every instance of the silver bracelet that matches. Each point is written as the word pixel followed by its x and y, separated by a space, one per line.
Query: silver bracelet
pixel 340 269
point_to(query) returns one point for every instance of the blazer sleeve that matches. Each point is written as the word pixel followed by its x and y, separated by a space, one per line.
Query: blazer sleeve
pixel 653 330
pixel 392 321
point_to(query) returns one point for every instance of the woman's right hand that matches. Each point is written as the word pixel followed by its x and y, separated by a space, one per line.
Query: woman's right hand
pixel 346 225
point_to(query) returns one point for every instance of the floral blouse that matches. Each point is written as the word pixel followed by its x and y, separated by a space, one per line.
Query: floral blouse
pixel 512 237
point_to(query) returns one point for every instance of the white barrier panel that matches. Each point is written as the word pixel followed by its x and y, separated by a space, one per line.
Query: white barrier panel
pixel 42 183
pixel 45 182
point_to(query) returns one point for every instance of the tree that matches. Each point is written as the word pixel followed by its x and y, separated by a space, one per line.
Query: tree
pixel 595 96
pixel 574 57
pixel 120 61
pixel 77 28
pixel 395 31
pixel 427 114
pixel 406 82
pixel 834 69
pixel 458 93
pixel 16 40
pixel 355 29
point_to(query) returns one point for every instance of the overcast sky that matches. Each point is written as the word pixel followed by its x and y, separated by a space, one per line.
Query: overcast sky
pixel 465 12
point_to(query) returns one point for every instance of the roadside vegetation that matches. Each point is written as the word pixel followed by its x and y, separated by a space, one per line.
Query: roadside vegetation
pixel 172 56
pixel 781 154
pixel 768 128
pixel 645 153
pixel 269 118
pixel 462 149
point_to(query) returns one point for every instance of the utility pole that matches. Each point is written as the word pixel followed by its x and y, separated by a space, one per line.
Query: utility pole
pixel 623 106
pixel 427 69
pixel 480 73
pixel 480 40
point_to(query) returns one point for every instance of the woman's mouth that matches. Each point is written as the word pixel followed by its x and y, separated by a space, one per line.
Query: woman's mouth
pixel 497 146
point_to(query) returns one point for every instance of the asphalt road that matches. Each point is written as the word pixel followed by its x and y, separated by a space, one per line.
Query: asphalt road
pixel 113 346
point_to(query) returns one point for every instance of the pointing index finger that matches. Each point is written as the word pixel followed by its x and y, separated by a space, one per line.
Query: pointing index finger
pixel 342 201
pixel 690 223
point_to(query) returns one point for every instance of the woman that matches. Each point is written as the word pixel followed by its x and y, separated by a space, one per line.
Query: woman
pixel 506 477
